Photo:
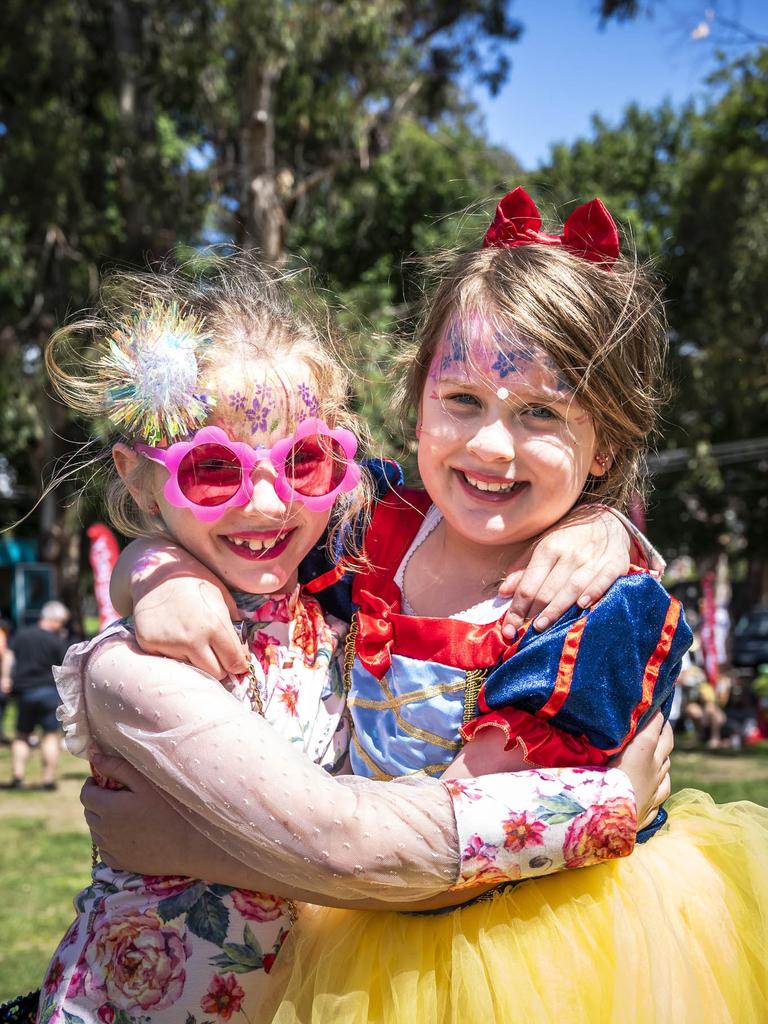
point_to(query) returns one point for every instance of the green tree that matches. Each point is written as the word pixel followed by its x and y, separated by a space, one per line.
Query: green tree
pixel 298 94
pixel 92 169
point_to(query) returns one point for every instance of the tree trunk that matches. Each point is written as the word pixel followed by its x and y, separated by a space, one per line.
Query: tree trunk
pixel 136 117
pixel 261 208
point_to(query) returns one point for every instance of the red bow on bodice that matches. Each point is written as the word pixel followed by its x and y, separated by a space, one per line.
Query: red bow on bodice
pixel 375 637
pixel 590 231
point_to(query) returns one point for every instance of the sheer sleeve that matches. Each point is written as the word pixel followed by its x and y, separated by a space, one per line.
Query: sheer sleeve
pixel 643 552
pixel 259 798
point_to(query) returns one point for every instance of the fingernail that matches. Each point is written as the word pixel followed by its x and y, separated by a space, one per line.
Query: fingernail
pixel 584 601
pixel 541 623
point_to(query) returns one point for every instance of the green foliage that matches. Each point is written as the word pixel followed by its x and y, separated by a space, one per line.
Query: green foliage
pixel 131 127
pixel 92 169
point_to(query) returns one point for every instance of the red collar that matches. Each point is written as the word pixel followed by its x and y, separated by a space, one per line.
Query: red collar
pixel 382 628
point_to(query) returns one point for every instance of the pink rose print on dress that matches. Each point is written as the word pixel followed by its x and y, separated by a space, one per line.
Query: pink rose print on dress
pixel 272 610
pixel 521 831
pixel 72 932
pixel 166 885
pixel 265 648
pixel 76 985
pixel 54 976
pixel 137 961
pixel 600 833
pixel 223 998
pixel 257 906
pixel 480 851
pixel 479 863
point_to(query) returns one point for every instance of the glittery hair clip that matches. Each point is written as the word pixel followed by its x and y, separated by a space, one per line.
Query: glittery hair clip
pixel 152 371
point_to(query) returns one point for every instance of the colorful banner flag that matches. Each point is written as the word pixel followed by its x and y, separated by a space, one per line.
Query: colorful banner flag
pixel 103 556
pixel 707 629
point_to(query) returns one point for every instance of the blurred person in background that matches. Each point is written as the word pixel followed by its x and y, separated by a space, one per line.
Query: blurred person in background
pixel 26 673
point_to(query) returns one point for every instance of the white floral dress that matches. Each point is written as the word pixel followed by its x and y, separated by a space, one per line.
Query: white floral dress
pixel 182 951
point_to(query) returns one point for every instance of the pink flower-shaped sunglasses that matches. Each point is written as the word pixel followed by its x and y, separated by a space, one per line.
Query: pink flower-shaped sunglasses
pixel 211 473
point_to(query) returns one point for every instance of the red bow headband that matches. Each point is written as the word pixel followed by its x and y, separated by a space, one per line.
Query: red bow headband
pixel 589 232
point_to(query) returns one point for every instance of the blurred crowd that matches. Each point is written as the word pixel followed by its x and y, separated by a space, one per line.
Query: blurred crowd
pixel 723 702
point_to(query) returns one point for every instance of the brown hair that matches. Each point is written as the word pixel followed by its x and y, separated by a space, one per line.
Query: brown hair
pixel 604 328
pixel 250 311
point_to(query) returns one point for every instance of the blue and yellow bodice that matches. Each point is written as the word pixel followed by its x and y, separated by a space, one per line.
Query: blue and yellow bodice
pixel 575 694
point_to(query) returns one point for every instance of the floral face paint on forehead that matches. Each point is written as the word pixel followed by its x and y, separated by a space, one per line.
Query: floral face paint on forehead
pixel 474 351
pixel 255 405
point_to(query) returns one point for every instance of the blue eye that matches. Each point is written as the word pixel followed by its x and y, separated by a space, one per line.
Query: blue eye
pixel 463 398
pixel 541 412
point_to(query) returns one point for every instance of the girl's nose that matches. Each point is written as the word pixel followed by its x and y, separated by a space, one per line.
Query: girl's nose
pixel 264 500
pixel 493 442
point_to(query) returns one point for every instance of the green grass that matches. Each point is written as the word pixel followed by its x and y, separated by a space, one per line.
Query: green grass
pixel 45 851
pixel 45 858
pixel 725 774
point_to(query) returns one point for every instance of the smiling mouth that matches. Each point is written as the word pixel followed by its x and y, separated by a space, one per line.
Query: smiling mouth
pixel 254 547
pixel 500 487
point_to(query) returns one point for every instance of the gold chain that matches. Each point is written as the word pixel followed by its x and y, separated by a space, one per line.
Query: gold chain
pixel 254 692
pixel 473 683
pixel 349 653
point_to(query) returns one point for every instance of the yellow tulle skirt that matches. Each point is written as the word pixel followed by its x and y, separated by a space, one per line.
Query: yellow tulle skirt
pixel 675 934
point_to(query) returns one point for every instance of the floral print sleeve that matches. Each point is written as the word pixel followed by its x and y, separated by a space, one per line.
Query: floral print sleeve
pixel 537 822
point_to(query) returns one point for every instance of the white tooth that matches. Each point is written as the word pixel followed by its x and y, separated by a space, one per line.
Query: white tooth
pixel 484 485
pixel 255 545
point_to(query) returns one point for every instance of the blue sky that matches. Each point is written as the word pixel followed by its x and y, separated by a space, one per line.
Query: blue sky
pixel 565 68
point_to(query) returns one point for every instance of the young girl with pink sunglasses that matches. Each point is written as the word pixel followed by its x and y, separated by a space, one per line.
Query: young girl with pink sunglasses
pixel 232 439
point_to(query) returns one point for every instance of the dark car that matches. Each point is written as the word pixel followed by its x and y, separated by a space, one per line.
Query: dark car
pixel 750 639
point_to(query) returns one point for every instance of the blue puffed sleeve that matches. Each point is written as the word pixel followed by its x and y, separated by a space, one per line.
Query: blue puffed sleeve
pixel 599 673
pixel 336 598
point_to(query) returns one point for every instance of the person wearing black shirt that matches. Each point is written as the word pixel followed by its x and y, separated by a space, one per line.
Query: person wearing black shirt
pixel 27 674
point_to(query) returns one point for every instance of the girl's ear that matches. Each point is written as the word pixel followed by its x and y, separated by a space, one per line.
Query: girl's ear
pixel 127 463
pixel 601 463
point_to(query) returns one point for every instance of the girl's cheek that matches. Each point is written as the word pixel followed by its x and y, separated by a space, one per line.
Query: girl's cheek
pixel 551 451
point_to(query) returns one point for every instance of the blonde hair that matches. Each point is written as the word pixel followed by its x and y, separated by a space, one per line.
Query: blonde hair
pixel 251 312
pixel 604 328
